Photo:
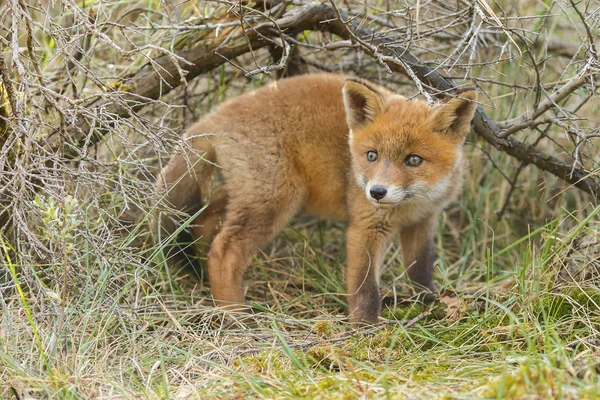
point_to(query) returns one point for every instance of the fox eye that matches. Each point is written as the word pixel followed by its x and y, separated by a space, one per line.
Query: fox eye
pixel 371 155
pixel 413 160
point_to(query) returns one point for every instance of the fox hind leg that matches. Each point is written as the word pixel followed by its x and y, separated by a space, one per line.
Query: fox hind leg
pixel 208 224
pixel 246 228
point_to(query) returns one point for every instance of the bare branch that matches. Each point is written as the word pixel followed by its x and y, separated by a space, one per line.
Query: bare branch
pixel 161 75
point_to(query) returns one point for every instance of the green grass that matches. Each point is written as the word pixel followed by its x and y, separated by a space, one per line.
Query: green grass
pixel 533 333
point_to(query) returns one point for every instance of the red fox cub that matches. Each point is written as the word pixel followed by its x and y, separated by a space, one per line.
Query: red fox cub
pixel 330 146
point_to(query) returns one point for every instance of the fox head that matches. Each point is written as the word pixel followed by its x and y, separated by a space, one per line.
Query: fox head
pixel 406 151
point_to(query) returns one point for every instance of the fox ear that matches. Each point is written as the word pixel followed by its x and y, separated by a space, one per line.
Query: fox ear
pixel 454 117
pixel 363 103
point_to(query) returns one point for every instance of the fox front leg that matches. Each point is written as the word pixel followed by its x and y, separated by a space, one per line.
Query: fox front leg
pixel 364 254
pixel 418 254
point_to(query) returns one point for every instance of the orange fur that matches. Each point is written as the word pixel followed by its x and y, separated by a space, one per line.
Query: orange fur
pixel 300 145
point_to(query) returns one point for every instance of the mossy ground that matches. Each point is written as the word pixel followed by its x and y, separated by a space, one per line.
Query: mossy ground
pixel 499 341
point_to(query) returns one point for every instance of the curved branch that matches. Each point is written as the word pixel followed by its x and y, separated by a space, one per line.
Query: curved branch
pixel 482 124
pixel 161 75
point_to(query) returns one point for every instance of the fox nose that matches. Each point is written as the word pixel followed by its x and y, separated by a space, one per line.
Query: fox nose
pixel 378 192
